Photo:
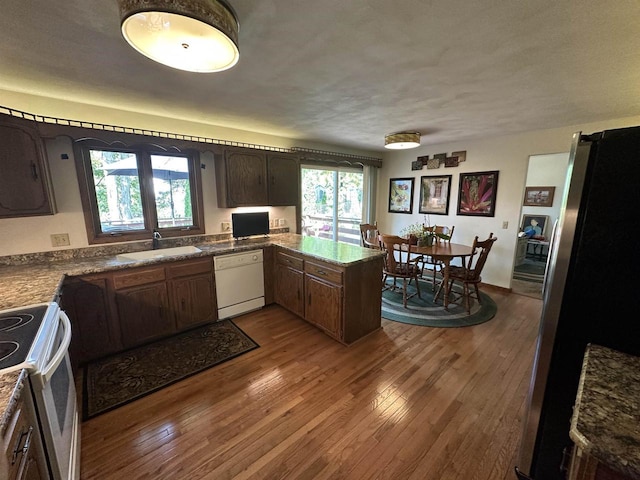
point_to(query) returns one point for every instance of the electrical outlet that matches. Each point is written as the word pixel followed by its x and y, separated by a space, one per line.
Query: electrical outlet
pixel 505 225
pixel 282 222
pixel 226 226
pixel 60 240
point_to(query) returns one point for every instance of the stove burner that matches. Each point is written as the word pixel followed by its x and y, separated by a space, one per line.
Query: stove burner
pixel 18 330
pixel 7 349
pixel 8 324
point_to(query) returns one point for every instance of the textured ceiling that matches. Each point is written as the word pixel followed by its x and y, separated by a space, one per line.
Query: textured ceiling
pixel 347 72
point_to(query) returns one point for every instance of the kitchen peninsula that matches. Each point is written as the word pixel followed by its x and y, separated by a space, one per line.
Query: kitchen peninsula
pixel 346 278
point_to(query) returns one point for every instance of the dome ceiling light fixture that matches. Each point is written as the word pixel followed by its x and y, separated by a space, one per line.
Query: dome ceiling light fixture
pixel 402 140
pixel 191 35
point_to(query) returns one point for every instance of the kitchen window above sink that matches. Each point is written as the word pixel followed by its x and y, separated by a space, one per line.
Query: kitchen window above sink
pixel 128 192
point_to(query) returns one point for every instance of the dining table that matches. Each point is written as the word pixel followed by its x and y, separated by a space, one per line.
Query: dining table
pixel 445 252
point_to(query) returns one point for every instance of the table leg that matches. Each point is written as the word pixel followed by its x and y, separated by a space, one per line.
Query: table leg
pixel 445 282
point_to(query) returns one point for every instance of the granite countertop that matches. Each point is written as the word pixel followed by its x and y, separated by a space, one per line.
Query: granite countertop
pixel 11 387
pixel 28 282
pixel 31 283
pixel 606 416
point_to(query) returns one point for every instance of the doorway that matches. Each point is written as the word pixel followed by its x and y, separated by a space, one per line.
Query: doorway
pixel 531 253
pixel 332 202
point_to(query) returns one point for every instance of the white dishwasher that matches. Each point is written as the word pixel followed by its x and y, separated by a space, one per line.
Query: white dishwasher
pixel 239 283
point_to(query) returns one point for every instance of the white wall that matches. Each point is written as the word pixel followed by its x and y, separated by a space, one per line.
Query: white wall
pixel 510 156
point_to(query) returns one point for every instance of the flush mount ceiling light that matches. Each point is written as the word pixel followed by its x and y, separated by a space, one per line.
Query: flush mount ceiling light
pixel 402 140
pixel 191 35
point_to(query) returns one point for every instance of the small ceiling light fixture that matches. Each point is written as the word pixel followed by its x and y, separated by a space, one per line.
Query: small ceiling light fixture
pixel 191 35
pixel 402 140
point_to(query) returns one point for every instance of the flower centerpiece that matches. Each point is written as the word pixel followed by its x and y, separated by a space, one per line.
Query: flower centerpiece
pixel 422 234
pixel 417 234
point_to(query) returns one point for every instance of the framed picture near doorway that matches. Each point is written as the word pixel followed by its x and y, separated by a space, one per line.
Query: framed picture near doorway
pixel 434 194
pixel 477 194
pixel 538 196
pixel 401 195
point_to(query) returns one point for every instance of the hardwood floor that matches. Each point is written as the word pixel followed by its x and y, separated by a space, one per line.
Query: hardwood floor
pixel 406 402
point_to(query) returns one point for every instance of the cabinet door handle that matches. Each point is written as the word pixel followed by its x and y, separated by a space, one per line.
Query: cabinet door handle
pixel 298 294
pixel 273 180
pixel 259 179
pixel 321 272
pixel 26 435
pixel 309 299
pixel 34 171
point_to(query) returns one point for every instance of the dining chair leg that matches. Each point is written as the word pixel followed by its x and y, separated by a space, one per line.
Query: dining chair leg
pixel 418 287
pixel 467 298
pixel 477 293
pixel 404 292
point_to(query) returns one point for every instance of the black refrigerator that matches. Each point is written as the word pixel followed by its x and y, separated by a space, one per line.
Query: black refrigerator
pixel 591 292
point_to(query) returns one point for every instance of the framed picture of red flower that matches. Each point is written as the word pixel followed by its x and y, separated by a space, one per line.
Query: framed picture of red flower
pixel 477 194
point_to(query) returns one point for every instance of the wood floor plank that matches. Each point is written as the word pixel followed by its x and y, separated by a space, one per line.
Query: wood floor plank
pixel 406 402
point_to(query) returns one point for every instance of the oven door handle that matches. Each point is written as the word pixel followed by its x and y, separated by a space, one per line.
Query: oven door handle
pixel 47 372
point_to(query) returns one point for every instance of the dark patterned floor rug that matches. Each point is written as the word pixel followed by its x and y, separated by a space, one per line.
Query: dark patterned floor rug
pixel 119 379
pixel 422 311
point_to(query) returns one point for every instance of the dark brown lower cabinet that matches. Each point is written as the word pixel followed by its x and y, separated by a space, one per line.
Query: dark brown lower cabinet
pixel 193 295
pixel 289 283
pixel 116 310
pixel 342 300
pixel 586 467
pixel 144 314
pixel 324 305
pixel 94 334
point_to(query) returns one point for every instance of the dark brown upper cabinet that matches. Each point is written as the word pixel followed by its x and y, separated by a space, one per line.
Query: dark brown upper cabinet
pixel 248 177
pixel 25 185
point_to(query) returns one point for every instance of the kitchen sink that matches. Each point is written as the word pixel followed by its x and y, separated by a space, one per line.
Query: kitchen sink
pixel 159 253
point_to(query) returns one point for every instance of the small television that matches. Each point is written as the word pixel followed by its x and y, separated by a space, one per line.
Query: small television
pixel 248 224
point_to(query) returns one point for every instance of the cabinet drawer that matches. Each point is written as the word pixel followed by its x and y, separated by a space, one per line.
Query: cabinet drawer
pixel 290 261
pixel 324 271
pixel 190 267
pixel 138 277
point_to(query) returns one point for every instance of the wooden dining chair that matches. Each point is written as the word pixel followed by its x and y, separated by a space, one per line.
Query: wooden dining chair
pixel 398 264
pixel 369 235
pixel 442 234
pixel 470 273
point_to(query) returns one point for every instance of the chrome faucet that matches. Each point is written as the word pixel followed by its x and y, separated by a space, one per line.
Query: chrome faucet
pixel 156 239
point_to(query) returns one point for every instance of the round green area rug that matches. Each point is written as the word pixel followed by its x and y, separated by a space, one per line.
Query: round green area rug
pixel 422 311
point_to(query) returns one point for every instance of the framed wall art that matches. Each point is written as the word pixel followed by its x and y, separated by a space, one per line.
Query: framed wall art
pixel 534 225
pixel 477 194
pixel 462 155
pixel 401 195
pixel 434 194
pixel 538 196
